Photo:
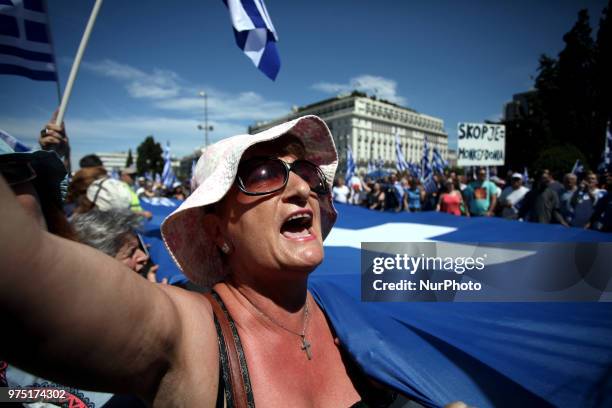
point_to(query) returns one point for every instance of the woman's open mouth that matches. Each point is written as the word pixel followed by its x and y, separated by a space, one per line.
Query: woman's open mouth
pixel 298 226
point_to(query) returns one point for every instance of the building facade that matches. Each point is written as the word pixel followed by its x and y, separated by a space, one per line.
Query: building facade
pixel 370 126
pixel 115 161
pixel 521 106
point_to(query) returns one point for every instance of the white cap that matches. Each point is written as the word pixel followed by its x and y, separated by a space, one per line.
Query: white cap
pixel 109 194
pixel 517 175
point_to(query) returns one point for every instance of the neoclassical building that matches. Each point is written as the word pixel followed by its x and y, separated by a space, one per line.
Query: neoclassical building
pixel 369 126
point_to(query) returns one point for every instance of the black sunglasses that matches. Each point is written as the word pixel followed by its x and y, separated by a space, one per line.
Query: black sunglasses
pixel 266 175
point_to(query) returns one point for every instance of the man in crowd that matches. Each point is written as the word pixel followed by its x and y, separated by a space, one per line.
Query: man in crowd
pixel 90 160
pixel 601 219
pixel 570 185
pixel 541 204
pixel 481 195
pixel 127 176
pixel 584 199
pixel 511 197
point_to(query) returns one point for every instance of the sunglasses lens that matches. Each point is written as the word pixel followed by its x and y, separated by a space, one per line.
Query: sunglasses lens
pixel 262 176
pixel 311 174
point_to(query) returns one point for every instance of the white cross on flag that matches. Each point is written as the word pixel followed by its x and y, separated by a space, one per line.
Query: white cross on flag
pixel 25 44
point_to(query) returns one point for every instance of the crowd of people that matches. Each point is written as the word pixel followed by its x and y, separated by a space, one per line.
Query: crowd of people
pixel 581 200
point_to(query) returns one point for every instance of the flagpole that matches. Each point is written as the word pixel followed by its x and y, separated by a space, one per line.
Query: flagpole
pixel 48 25
pixel 77 62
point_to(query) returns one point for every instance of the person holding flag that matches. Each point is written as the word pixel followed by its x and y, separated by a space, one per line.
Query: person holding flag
pixel 352 179
pixel 402 164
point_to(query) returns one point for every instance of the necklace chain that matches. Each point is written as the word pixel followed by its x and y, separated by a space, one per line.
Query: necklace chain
pixel 279 324
pixel 305 344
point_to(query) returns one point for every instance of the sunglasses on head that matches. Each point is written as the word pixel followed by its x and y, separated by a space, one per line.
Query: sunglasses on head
pixel 266 175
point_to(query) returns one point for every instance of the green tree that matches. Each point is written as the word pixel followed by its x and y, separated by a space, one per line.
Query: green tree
pixel 572 101
pixel 149 156
pixel 130 159
pixel 576 68
pixel 527 134
pixel 603 73
pixel 559 159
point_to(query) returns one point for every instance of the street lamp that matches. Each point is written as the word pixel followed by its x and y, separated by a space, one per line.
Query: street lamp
pixel 206 128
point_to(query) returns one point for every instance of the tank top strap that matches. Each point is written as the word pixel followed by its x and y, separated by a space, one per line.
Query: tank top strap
pixel 225 397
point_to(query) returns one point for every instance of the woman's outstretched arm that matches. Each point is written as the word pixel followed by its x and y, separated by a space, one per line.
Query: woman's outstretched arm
pixel 75 315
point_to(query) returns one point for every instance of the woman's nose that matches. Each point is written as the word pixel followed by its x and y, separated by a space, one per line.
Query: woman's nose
pixel 297 187
pixel 140 257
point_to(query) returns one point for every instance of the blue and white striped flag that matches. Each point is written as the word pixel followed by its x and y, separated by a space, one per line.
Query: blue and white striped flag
pixel 439 164
pixel 429 184
pixel 167 174
pixel 379 164
pixel 158 179
pixel 425 166
pixel 25 45
pixel 402 165
pixel 578 168
pixel 350 164
pixel 415 170
pixel 148 176
pixel 255 34
pixel 606 164
pixel 13 143
pixel 193 167
pixel 115 174
pixel 525 176
pixel 371 166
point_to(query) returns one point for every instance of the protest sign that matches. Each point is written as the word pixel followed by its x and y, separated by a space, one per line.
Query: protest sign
pixel 481 144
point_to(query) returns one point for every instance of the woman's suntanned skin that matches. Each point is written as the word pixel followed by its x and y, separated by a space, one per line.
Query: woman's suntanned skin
pixel 122 334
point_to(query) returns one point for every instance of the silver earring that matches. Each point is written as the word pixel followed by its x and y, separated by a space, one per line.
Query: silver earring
pixel 225 248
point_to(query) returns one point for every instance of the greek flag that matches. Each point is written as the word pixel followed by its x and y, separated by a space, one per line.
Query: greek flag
pixel 425 161
pixel 13 143
pixel 148 176
pixel 429 184
pixel 167 174
pixel 578 168
pixel 439 164
pixel 158 179
pixel 415 170
pixel 607 154
pixel 193 167
pixel 25 45
pixel 371 166
pixel 255 34
pixel 350 164
pixel 379 164
pixel 402 165
pixel 115 174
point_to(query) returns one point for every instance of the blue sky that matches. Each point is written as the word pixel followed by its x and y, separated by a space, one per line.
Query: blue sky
pixel 147 61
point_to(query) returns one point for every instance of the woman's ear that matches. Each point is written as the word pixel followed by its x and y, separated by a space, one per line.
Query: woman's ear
pixel 213 228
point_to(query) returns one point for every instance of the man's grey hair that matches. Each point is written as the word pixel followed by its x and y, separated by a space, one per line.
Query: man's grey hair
pixel 105 230
pixel 570 176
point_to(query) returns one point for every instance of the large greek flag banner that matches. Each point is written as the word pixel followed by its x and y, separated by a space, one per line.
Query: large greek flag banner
pixel 25 46
pixel 255 34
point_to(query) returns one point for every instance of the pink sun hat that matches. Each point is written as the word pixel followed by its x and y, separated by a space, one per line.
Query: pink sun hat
pixel 183 231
